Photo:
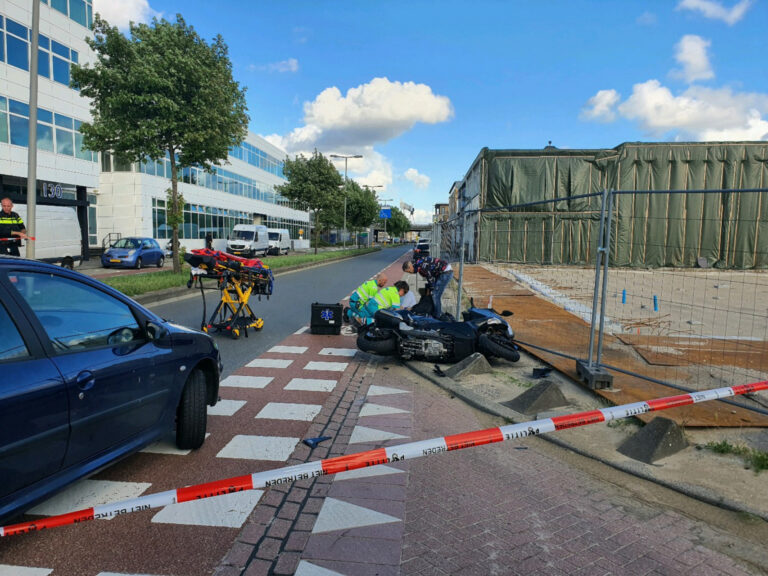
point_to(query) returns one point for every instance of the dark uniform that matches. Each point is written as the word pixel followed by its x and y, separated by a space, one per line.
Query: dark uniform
pixel 10 223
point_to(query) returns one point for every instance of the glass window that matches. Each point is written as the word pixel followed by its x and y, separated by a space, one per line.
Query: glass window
pixel 74 56
pixel 19 131
pixel 19 108
pixel 43 64
pixel 43 42
pixel 89 11
pixel 77 11
pixel 64 121
pixel 61 70
pixel 60 49
pixel 44 115
pixel 3 120
pixel 2 46
pixel 76 316
pixel 64 143
pixel 44 137
pixel 18 52
pixel 17 29
pixel 60 5
pixel 80 151
pixel 11 344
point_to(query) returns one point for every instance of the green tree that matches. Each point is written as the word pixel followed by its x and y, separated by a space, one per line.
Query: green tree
pixel 362 207
pixel 163 91
pixel 398 224
pixel 313 183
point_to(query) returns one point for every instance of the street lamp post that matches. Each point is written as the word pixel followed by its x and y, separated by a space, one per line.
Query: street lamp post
pixel 345 189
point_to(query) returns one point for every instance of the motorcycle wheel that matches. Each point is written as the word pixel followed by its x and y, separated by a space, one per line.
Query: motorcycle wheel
pixel 493 345
pixel 376 341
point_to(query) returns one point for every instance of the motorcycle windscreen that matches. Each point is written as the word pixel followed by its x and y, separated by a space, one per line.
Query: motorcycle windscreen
pixel 387 319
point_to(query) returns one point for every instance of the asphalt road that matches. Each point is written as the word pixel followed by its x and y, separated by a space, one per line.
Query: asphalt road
pixel 289 307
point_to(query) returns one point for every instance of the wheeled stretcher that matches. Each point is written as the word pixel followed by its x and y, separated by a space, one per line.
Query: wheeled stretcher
pixel 237 279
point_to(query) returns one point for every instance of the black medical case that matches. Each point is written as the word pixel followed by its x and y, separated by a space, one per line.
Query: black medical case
pixel 326 318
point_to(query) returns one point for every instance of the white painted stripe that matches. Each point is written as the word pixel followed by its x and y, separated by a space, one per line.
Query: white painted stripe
pixel 302 330
pixel 339 515
pixel 338 352
pixel 274 448
pixel 384 390
pixel 88 494
pixel 237 381
pixel 285 411
pixel 311 385
pixel 228 511
pixel 370 471
pixel 123 574
pixel 9 570
pixel 225 407
pixel 327 366
pixel 378 410
pixel 269 363
pixel 288 349
pixel 362 434
pixel 167 446
pixel 308 569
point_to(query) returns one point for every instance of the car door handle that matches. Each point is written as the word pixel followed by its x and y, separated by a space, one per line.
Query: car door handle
pixel 85 380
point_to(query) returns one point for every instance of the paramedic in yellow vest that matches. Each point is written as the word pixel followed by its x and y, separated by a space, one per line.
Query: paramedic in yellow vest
pixel 363 294
pixel 388 297
pixel 11 228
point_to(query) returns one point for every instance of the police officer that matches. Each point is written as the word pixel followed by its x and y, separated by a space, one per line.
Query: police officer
pixel 363 294
pixel 11 226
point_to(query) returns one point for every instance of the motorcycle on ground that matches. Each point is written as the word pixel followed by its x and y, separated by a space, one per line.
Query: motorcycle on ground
pixel 399 333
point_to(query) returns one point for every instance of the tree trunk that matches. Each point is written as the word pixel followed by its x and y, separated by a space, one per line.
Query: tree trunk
pixel 317 231
pixel 175 209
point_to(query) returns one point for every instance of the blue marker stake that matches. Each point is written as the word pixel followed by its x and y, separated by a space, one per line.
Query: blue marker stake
pixel 655 303
pixel 624 296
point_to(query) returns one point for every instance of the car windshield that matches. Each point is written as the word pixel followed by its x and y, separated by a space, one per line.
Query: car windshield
pixel 242 235
pixel 129 243
pixel 274 236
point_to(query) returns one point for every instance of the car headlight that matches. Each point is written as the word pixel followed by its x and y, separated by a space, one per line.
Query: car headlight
pixel 131 252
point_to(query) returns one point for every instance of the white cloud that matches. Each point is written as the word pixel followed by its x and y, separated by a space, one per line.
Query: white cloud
pixel 646 19
pixel 419 180
pixel 368 114
pixel 716 11
pixel 691 53
pixel 601 107
pixel 421 216
pixel 699 113
pixel 290 65
pixel 120 13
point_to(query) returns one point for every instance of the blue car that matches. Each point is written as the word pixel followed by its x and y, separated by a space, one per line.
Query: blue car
pixel 88 377
pixel 134 252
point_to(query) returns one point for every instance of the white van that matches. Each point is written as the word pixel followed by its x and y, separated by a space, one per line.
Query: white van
pixel 248 240
pixel 279 241
pixel 57 234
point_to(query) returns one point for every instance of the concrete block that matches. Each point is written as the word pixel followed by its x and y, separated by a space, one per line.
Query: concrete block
pixel 660 438
pixel 474 364
pixel 542 397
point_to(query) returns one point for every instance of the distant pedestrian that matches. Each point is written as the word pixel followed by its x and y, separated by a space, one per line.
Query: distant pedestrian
pixel 11 225
pixel 436 272
pixel 209 241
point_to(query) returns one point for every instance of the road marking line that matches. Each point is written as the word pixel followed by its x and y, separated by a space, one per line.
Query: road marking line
pixel 363 434
pixel 288 349
pixel 228 511
pixel 238 381
pixel 269 363
pixel 339 515
pixel 367 472
pixel 327 366
pixel 338 352
pixel 311 385
pixel 302 330
pixel 89 493
pixel 225 407
pixel 10 570
pixel 274 448
pixel 379 410
pixel 286 411
pixel 384 391
pixel 168 446
pixel 308 569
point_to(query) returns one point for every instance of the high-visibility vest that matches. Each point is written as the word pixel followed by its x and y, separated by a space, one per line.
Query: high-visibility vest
pixel 366 291
pixel 388 297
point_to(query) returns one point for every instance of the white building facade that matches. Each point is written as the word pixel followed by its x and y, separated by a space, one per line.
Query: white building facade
pixel 66 173
pixel 114 198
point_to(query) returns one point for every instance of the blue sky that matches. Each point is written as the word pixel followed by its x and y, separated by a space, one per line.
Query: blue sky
pixel 419 87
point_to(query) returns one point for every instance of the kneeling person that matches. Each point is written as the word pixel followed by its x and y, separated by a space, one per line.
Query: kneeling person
pixel 387 298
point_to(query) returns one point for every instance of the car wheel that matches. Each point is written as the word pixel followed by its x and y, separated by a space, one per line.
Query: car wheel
pixel 191 415
pixel 138 263
pixel 161 262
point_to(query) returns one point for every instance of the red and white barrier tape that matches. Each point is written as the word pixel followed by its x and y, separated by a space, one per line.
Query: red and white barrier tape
pixel 17 238
pixel 378 456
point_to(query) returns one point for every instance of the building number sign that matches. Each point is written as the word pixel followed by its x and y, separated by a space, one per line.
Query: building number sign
pixel 51 190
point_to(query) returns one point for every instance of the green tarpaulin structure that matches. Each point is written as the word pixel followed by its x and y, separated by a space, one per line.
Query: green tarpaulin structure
pixel 536 205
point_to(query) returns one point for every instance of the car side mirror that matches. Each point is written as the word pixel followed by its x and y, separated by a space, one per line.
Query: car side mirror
pixel 156 332
pixel 507 313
